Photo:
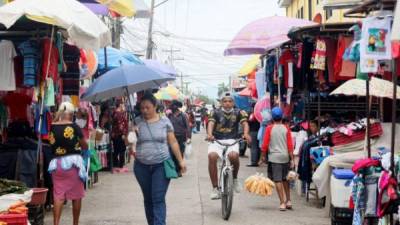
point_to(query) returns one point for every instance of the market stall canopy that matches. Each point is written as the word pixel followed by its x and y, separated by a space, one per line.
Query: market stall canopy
pixel 340 4
pixel 141 10
pixel 378 88
pixel 160 67
pixel 250 65
pixel 124 80
pixel 169 93
pixel 84 28
pixel 366 6
pixel 299 33
pixel 263 35
pixel 116 58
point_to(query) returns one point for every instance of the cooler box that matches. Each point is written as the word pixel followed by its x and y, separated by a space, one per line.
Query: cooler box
pixel 341 187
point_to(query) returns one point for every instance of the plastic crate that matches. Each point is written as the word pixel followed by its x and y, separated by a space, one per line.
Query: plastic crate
pixel 14 219
pixel 341 216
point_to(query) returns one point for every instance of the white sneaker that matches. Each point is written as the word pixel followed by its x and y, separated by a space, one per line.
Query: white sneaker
pixel 237 186
pixel 215 194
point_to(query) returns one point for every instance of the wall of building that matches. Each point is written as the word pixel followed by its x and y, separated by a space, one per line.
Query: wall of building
pixel 301 9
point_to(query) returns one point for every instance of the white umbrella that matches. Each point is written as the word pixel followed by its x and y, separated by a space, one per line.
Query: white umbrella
pixel 378 88
pixel 84 28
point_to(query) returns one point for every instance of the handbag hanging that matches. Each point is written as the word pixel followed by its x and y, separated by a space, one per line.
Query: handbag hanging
pixel 169 164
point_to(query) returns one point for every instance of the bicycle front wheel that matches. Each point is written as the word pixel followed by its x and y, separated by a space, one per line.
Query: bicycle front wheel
pixel 227 194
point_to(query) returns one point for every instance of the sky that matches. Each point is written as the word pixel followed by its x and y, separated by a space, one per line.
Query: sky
pixel 198 31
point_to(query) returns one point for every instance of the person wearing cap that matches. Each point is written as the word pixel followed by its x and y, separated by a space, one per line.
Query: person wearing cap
pixel 181 126
pixel 278 145
pixel 223 125
pixel 67 168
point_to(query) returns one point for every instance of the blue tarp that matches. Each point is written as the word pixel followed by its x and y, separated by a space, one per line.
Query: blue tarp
pixel 242 102
pixel 116 58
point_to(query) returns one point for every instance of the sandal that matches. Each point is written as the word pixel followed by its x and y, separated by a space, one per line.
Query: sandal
pixel 282 208
pixel 289 206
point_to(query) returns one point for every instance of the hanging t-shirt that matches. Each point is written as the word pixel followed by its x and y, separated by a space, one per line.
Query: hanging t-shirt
pixel 49 59
pixel 30 51
pixel 320 55
pixel 18 105
pixel 261 83
pixel 375 43
pixel 70 84
pixel 7 74
pixel 50 94
pixel 286 60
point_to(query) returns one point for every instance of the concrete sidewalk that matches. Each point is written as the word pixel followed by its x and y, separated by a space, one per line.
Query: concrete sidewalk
pixel 117 200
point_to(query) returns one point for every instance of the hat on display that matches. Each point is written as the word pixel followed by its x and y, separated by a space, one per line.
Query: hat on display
pixel 277 113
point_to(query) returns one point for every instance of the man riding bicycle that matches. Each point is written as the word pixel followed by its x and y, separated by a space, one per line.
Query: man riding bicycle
pixel 223 125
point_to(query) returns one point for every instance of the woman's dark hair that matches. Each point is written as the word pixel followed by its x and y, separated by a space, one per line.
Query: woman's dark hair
pixel 149 97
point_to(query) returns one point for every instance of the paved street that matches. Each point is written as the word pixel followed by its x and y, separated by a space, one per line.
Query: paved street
pixel 117 200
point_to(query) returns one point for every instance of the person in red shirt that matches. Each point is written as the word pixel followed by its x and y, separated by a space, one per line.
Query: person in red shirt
pixel 119 133
pixel 278 145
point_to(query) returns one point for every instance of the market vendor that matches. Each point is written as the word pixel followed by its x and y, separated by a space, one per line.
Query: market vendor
pixel 67 169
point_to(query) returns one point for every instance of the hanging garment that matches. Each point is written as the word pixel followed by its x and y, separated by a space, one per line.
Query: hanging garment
pixel 330 59
pixel 320 55
pixel 30 51
pixel 18 105
pixel 49 59
pixel 344 70
pixel 71 76
pixel 50 93
pixel 375 43
pixel 7 74
pixel 3 117
pixel 358 197
pixel 261 83
pixel 287 61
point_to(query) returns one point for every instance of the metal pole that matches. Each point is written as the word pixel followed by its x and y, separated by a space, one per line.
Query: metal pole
pixel 394 111
pixel 368 118
pixel 150 32
pixel 319 105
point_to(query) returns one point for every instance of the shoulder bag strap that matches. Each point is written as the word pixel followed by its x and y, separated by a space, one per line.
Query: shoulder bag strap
pixel 152 137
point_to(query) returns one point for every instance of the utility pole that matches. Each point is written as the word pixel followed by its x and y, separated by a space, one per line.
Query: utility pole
pixel 149 52
pixel 153 6
pixel 171 58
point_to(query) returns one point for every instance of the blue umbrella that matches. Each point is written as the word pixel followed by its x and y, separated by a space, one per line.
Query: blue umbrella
pixel 116 58
pixel 124 80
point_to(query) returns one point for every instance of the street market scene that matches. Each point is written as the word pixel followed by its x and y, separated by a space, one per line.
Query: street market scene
pixel 189 112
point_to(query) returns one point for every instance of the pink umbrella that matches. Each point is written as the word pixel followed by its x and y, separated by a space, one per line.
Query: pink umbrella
pixel 262 108
pixel 263 35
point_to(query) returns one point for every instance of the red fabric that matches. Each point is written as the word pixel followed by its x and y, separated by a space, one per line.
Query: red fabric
pixel 17 103
pixel 364 163
pixel 395 49
pixel 331 49
pixel 343 70
pixel 267 139
pixel 252 75
pixel 284 60
pixel 83 58
pixel 342 139
pixel 67 183
pixel 54 59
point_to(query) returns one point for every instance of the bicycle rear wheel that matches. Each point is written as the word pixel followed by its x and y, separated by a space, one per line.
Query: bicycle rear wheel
pixel 227 194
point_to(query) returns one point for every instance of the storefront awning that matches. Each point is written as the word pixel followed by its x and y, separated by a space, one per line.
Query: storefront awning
pixel 340 4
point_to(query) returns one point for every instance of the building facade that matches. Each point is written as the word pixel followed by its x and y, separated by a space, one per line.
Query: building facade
pixel 324 11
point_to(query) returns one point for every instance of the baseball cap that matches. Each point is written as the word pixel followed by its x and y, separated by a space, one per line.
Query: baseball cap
pixel 277 113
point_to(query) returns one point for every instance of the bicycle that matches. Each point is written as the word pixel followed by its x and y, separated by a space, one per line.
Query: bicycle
pixel 225 181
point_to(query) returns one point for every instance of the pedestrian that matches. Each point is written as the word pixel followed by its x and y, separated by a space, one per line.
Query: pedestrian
pixel 254 127
pixel 67 169
pixel 181 126
pixel 278 145
pixel 119 134
pixel 197 117
pixel 155 135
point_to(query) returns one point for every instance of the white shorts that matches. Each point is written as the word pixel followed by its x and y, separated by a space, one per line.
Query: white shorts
pixel 217 148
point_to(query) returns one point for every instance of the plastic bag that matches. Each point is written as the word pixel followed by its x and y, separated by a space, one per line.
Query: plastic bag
pixel 132 139
pixel 259 185
pixel 188 151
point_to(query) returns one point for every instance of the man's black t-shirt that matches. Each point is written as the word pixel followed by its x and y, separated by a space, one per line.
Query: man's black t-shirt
pixel 227 124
